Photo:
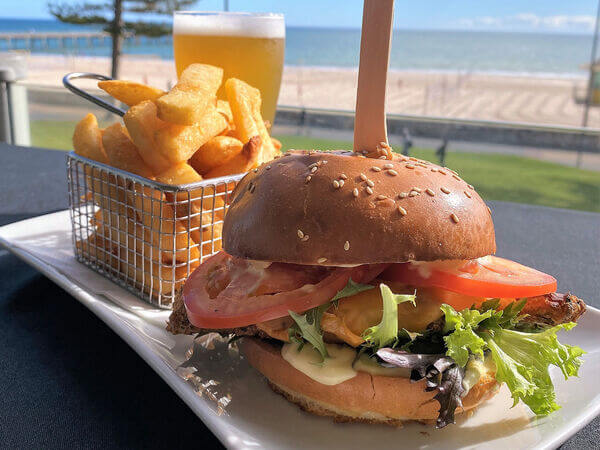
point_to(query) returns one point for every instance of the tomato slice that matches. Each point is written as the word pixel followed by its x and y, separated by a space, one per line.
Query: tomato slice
pixel 227 292
pixel 487 277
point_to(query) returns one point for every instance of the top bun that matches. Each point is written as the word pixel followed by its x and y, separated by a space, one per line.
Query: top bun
pixel 335 208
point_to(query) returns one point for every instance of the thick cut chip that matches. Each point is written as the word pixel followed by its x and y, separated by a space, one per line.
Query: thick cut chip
pixel 122 153
pixel 277 144
pixel 216 152
pixel 142 121
pixel 245 104
pixel 224 108
pixel 178 143
pixel 181 173
pixel 162 228
pixel 187 102
pixel 244 161
pixel 87 139
pixel 130 92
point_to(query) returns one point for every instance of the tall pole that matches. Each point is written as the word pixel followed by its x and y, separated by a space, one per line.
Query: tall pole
pixel 590 87
pixel 225 5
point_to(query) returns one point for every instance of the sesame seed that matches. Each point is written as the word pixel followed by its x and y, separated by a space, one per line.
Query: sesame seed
pixel 453 171
pixel 402 195
pixel 363 177
pixel 305 238
pixel 381 197
pixel 413 194
pixel 355 192
pixel 433 169
pixel 419 190
pixel 308 178
pixel 300 234
pixel 312 165
pixel 336 184
pixel 369 190
pixel 313 170
pixel 445 190
pixel 268 168
pixel 401 210
pixel 324 161
pixel 454 218
pixel 343 176
pixel 430 192
pixel 467 194
pixel 341 183
pixel 469 186
pixel 489 210
pixel 321 260
pixel 412 158
pixel 409 166
pixel 441 172
pixel 255 170
pixel 388 166
pixel 370 183
pixel 252 188
pixel 346 245
pixel 456 177
pixel 383 157
pixel 376 169
pixel 392 172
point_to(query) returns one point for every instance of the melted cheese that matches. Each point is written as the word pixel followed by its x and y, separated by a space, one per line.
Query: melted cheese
pixel 370 365
pixel 334 370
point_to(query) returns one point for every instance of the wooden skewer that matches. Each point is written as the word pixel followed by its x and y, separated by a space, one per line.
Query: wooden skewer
pixel 369 124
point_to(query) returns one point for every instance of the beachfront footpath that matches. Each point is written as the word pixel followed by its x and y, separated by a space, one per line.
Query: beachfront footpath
pixel 534 99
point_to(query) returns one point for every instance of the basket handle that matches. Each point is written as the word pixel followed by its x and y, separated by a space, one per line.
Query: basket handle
pixel 89 97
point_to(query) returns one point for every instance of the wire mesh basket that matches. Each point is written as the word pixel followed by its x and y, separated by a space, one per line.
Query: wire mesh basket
pixel 144 235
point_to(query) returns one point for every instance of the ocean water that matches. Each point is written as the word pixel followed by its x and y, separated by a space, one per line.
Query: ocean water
pixel 429 50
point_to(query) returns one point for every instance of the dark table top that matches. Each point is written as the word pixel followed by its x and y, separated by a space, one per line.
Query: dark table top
pixel 62 368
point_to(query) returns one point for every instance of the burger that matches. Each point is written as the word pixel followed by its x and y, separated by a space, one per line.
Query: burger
pixel 365 288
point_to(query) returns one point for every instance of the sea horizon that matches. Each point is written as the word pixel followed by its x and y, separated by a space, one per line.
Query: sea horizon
pixel 537 54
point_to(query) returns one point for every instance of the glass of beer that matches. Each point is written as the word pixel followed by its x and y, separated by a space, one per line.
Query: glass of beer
pixel 247 46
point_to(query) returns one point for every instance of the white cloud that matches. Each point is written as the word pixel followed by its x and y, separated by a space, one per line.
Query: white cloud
pixel 581 23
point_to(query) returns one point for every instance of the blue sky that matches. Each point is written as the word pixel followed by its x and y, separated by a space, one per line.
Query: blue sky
pixel 502 15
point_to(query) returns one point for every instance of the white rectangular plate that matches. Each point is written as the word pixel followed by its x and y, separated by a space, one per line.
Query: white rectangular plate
pixel 234 401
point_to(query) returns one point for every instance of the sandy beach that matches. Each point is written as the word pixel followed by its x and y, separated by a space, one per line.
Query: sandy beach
pixel 535 99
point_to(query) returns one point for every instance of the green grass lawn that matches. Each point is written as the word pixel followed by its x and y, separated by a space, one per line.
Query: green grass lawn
pixel 495 176
pixel 52 134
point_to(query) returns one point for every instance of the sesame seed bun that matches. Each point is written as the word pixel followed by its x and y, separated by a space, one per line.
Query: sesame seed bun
pixel 364 398
pixel 335 208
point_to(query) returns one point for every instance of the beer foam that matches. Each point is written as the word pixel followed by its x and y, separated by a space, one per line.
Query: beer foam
pixel 270 26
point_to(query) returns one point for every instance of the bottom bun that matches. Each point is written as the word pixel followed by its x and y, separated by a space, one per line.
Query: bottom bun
pixel 364 398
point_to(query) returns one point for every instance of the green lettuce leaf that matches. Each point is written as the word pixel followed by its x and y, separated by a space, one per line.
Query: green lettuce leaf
pixel 463 340
pixel 386 332
pixel 522 361
pixel 307 327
